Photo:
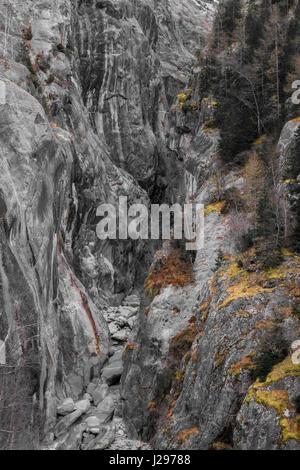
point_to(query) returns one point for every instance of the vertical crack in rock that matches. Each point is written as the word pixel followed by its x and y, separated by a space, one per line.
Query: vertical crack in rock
pixel 89 314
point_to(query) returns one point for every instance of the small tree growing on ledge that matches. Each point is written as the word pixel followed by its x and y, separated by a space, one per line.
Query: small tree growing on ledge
pixel 184 102
pixel 272 350
pixel 175 269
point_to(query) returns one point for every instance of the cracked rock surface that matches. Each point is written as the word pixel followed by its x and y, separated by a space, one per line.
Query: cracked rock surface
pixel 87 95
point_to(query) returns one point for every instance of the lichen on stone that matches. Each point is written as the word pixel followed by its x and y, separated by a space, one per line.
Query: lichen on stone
pixel 185 435
pixel 279 399
pixel 217 207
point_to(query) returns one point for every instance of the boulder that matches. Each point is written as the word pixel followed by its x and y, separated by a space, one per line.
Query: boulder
pixel 73 441
pixel 128 312
pixel 116 357
pixel 132 301
pixel 112 373
pixel 94 430
pixel 88 397
pixel 66 407
pixel 105 410
pixel 120 336
pixel 105 437
pixel 100 392
pixel 63 425
pixel 92 422
pixel 90 388
pixel 83 405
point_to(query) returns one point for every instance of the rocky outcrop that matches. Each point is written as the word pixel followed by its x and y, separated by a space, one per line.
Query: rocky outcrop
pixel 86 89
pixel 193 363
pixel 193 353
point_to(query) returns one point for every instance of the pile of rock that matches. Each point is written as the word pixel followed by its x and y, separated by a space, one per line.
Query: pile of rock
pixel 121 320
pixel 87 423
pixel 95 422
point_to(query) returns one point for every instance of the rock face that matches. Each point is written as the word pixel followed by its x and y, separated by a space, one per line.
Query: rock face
pixel 86 89
pixel 66 407
pixel 187 380
pixel 86 95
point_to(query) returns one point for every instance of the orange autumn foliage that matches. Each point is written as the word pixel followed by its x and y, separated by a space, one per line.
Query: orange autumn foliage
pixel 175 272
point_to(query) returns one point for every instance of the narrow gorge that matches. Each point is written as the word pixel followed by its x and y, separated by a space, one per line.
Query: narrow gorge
pixel 135 344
